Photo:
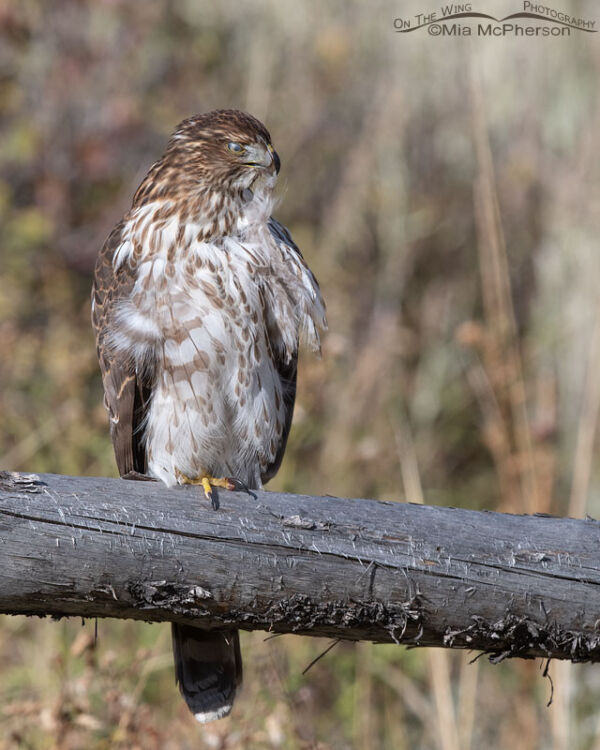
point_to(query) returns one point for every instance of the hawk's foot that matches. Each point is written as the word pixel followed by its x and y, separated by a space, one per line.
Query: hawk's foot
pixel 208 483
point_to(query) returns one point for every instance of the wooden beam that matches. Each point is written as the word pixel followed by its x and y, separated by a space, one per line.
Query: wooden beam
pixel 354 569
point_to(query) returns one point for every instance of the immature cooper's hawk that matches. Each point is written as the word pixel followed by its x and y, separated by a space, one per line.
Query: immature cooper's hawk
pixel 199 300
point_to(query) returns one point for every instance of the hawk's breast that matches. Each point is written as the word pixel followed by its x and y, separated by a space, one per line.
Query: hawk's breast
pixel 211 323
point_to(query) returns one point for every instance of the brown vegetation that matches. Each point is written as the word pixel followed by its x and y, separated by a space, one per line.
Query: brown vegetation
pixel 446 195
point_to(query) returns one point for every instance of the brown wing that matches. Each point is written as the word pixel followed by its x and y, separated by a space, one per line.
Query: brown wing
pixel 125 395
pixel 287 374
pixel 287 371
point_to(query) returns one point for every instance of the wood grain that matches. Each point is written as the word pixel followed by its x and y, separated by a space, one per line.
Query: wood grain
pixel 353 569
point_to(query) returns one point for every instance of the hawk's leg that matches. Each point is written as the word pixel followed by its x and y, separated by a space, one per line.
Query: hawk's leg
pixel 208 483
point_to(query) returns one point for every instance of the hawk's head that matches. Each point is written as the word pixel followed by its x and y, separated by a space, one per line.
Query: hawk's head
pixel 214 165
pixel 225 147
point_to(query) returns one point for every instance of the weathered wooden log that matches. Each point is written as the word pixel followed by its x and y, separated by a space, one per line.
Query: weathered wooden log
pixel 354 569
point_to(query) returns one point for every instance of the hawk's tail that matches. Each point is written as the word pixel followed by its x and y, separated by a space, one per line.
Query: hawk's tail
pixel 208 669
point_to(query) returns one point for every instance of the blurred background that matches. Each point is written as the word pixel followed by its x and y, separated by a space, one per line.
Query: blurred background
pixel 446 192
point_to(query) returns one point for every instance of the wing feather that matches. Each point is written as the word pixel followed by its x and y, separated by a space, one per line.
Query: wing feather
pixel 125 394
pixel 287 371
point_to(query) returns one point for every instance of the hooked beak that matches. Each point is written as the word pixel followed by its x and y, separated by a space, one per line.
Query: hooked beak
pixel 275 157
pixel 259 156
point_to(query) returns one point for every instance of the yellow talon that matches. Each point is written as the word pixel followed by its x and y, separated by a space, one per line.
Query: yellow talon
pixel 225 482
pixel 207 488
pixel 208 482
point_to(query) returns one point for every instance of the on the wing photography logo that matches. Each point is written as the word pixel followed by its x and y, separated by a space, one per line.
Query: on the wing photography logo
pixel 459 19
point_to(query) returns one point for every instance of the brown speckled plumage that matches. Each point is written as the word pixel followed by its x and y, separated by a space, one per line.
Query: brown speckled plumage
pixel 199 301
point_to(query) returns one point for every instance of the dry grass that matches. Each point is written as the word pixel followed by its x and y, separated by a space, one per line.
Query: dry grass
pixel 446 195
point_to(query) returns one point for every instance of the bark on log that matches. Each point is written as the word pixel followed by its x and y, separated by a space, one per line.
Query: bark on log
pixel 354 569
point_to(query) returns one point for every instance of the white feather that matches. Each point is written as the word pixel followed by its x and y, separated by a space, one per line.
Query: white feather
pixel 135 323
pixel 122 253
pixel 184 390
pixel 206 716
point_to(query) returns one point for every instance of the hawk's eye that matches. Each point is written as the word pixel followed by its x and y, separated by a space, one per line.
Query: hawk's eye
pixel 235 147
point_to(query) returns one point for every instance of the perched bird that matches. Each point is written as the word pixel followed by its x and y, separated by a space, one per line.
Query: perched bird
pixel 199 300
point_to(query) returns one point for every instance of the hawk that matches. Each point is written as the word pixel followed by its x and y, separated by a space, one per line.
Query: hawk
pixel 199 300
